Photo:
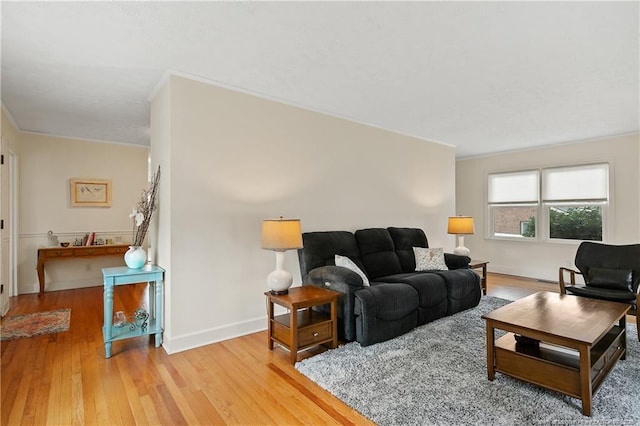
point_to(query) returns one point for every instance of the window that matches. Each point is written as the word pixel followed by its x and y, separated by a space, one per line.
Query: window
pixel 513 203
pixel 559 203
pixel 574 201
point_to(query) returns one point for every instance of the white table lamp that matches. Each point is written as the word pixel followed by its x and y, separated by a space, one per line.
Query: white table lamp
pixel 461 226
pixel 280 235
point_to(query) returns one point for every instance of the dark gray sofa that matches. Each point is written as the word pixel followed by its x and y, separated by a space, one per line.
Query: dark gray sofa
pixel 399 298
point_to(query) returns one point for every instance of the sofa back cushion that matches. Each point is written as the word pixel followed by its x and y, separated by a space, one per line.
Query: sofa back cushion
pixel 320 248
pixel 404 240
pixel 377 252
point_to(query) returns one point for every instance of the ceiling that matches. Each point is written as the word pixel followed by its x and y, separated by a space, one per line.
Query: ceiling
pixel 484 77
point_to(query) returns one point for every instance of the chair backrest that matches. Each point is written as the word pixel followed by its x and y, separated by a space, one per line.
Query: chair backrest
pixel 597 255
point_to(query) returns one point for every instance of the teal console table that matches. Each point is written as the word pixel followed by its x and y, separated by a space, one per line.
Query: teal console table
pixel 121 275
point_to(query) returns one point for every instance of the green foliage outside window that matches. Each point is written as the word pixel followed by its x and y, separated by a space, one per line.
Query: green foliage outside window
pixel 576 223
pixel 573 223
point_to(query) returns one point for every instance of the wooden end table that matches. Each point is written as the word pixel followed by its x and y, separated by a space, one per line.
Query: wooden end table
pixel 303 327
pixel 580 340
pixel 481 264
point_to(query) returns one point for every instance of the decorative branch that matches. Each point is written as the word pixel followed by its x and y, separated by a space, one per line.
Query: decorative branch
pixel 143 211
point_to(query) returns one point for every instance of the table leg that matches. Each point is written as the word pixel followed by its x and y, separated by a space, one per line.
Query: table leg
pixel 491 372
pixel 334 320
pixel 159 293
pixel 586 392
pixel 40 268
pixel 293 319
pixel 484 279
pixel 623 323
pixel 270 323
pixel 108 318
pixel 152 297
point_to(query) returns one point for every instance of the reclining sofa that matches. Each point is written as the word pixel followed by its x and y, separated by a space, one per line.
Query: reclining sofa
pixel 399 298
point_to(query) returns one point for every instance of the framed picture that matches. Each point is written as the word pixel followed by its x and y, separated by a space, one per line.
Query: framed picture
pixel 90 192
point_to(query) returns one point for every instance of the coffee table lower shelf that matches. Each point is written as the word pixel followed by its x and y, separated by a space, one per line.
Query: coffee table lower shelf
pixel 558 368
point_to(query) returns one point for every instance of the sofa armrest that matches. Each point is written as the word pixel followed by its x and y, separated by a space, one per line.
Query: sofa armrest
pixel 336 278
pixel 455 261
pixel 345 281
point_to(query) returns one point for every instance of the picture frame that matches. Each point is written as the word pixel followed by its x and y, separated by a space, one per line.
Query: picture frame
pixel 90 192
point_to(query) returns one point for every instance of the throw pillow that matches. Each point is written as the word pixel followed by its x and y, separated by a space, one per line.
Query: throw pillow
pixel 348 263
pixel 614 279
pixel 429 259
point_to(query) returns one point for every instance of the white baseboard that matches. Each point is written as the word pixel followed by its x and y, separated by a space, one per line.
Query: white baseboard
pixel 550 275
pixel 185 342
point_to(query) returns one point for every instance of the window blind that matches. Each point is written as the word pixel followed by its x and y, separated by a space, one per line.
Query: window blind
pixel 514 187
pixel 577 183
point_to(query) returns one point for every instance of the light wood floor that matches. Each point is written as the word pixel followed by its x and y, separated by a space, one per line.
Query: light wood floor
pixel 64 379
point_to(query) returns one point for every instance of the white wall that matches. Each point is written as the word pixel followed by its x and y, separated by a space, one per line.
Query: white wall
pixel 160 234
pixel 46 164
pixel 236 159
pixel 542 259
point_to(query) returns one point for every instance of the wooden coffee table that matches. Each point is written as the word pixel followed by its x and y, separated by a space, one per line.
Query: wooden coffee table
pixel 581 340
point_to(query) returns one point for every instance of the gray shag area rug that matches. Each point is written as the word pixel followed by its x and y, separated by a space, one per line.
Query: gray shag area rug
pixel 437 374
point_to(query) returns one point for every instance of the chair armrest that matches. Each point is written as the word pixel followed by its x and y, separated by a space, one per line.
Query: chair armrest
pixel 572 276
pixel 455 261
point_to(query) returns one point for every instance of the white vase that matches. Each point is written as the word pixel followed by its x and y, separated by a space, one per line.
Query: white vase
pixel 135 257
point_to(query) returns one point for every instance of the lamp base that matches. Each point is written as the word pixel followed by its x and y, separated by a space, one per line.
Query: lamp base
pixel 462 251
pixel 279 281
pixel 279 292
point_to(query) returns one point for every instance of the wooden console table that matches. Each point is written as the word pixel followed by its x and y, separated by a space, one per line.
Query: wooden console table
pixel 46 254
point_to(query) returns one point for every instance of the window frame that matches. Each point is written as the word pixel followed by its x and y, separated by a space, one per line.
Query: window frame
pixel 543 207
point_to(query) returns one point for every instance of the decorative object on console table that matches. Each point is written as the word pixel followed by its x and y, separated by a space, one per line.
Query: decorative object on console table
pixel 90 192
pixel 280 235
pixel 52 239
pixel 136 257
pixel 461 226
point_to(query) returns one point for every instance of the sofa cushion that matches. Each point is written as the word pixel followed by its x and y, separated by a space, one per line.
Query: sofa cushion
pixel 404 240
pixel 431 290
pixel 614 279
pixel 320 249
pixel 429 259
pixel 377 252
pixel 384 311
pixel 345 262
pixel 463 289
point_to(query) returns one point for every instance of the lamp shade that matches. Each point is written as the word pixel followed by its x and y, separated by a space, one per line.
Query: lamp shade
pixel 281 234
pixel 461 225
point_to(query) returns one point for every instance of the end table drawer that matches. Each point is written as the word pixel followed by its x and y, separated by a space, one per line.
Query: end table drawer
pixel 314 334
